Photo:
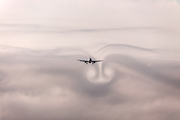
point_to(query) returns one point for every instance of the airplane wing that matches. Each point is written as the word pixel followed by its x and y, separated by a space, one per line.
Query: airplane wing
pixel 94 61
pixel 83 61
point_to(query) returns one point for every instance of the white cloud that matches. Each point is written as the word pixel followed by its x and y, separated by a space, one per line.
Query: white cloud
pixel 50 85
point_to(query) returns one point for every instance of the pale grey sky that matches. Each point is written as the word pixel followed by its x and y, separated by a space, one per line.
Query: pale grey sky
pixel 43 23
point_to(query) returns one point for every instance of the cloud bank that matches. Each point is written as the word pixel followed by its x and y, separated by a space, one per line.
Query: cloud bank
pixel 52 84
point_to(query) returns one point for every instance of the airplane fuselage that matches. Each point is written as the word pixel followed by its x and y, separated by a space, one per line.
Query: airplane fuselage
pixel 90 60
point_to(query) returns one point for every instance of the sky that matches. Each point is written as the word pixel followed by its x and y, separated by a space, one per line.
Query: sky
pixel 138 41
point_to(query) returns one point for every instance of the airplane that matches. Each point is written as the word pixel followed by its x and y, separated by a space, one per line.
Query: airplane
pixel 90 61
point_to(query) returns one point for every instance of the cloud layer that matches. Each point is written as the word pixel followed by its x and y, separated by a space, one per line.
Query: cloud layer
pixel 138 41
pixel 52 84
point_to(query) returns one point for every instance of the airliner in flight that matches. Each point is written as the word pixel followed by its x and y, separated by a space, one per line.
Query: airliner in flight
pixel 90 61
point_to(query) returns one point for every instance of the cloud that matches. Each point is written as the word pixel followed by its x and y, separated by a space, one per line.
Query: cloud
pixel 49 84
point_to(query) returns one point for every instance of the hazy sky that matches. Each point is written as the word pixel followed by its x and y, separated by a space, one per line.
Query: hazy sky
pixel 138 41
pixel 49 24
